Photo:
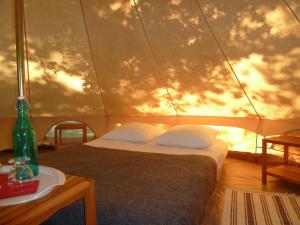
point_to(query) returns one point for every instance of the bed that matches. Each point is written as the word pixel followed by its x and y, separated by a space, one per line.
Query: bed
pixel 141 183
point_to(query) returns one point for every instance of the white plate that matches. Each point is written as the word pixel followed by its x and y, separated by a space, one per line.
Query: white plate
pixel 48 177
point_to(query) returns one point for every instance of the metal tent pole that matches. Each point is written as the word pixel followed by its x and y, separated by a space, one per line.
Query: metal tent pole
pixel 19 25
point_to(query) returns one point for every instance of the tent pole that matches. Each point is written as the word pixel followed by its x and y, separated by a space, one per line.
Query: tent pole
pixel 19 26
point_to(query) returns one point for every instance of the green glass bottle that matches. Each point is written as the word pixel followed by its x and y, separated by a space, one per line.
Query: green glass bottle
pixel 23 138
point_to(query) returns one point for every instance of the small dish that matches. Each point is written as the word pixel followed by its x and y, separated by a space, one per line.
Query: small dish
pixel 49 178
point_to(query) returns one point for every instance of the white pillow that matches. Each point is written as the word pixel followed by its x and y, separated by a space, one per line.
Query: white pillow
pixel 135 132
pixel 188 136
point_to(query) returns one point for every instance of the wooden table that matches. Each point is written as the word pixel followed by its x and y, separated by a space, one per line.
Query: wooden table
pixel 285 171
pixel 37 211
pixel 68 126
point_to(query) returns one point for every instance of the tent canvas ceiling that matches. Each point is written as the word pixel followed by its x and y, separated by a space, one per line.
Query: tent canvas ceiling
pixel 159 58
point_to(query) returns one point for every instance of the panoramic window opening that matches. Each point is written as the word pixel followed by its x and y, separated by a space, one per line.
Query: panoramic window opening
pixel 69 132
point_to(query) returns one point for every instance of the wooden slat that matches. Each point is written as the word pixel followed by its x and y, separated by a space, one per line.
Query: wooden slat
pixel 71 126
pixel 285 172
pixel 285 140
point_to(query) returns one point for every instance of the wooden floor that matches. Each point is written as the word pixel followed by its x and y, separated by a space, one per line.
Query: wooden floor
pixel 244 175
pixel 235 173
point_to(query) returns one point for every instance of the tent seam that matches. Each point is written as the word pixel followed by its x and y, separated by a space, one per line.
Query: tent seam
pixel 153 57
pixel 292 11
pixel 93 59
pixel 233 71
pixel 27 65
pixel 226 59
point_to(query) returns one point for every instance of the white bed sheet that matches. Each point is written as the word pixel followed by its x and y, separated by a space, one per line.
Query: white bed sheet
pixel 217 151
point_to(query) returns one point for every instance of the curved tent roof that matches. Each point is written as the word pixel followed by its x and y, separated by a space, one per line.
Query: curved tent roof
pixel 218 59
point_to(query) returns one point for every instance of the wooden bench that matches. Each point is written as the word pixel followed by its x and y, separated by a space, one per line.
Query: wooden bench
pixel 285 171
pixel 68 126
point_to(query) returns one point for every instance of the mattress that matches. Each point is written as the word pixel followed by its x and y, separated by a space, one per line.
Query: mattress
pixel 217 151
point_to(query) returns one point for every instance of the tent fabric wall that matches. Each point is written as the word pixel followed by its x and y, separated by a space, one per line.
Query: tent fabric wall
pixel 122 52
pixel 60 61
pixel 263 52
pixel 8 68
pixel 261 40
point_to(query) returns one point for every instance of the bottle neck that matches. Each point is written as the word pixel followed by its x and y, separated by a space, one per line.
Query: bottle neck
pixel 22 109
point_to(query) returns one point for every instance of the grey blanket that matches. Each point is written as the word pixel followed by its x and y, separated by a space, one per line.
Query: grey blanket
pixel 137 188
